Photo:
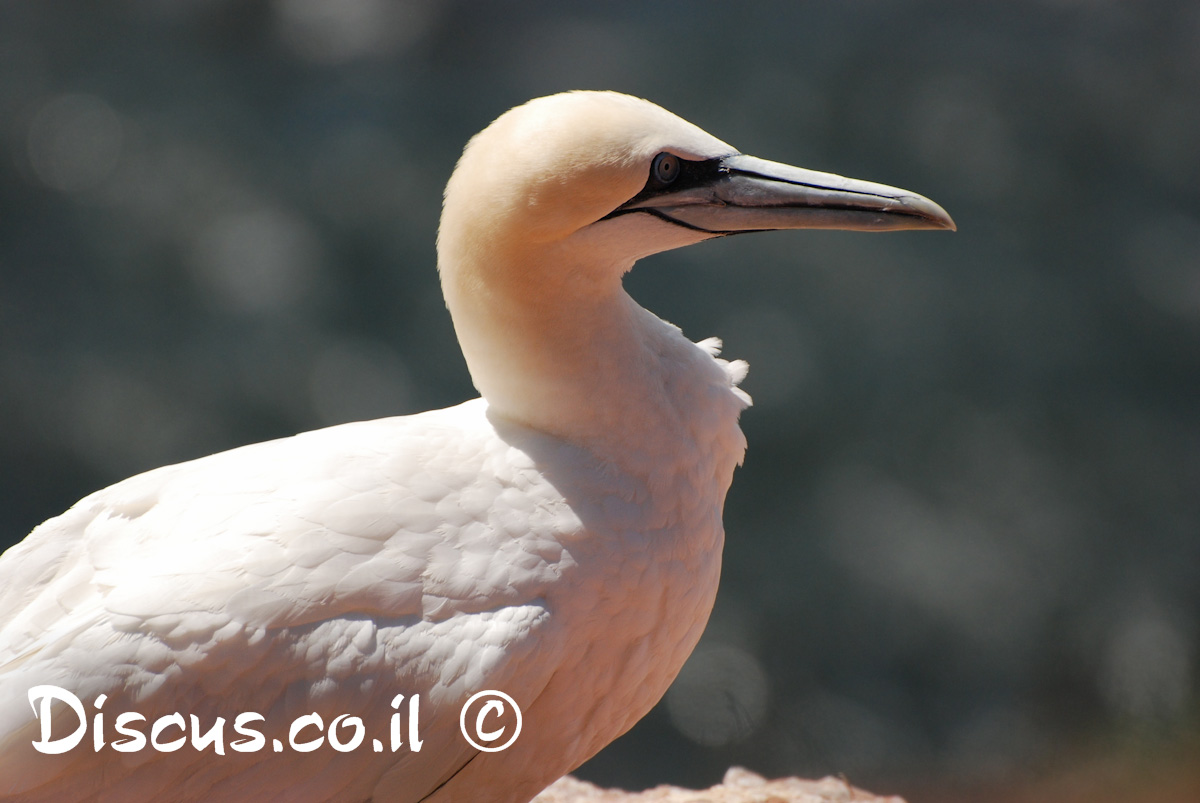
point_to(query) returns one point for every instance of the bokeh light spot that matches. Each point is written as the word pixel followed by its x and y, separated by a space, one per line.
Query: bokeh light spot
pixel 74 142
pixel 260 261
pixel 720 695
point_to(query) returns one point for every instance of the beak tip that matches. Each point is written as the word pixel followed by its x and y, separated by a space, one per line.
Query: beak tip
pixel 932 213
pixel 945 221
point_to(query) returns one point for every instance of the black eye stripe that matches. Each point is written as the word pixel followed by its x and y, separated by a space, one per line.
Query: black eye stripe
pixel 692 173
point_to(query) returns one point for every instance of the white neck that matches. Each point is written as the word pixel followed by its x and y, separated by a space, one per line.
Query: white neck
pixel 563 349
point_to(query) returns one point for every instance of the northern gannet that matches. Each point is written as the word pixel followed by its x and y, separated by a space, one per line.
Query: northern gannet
pixel 558 539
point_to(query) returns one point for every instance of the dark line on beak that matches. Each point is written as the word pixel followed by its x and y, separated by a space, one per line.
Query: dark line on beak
pixel 737 171
pixel 650 210
pixel 899 211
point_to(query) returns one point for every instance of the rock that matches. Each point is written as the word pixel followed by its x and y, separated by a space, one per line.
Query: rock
pixel 739 786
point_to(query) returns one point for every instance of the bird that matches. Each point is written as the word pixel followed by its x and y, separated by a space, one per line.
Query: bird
pixel 558 538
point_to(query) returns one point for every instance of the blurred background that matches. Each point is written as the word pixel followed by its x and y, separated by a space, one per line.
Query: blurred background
pixel 963 556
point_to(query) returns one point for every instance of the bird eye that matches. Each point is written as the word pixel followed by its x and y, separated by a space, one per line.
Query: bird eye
pixel 665 168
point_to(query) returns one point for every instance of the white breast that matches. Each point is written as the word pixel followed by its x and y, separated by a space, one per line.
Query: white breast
pixel 438 554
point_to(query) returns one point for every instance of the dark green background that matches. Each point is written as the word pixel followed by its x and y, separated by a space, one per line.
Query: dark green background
pixel 964 551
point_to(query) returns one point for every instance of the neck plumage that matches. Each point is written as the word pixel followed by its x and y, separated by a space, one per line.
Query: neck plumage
pixel 562 348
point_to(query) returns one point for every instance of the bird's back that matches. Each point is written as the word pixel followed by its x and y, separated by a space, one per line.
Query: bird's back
pixel 334 568
pixel 439 554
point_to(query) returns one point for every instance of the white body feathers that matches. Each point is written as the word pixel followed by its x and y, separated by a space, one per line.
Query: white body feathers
pixel 438 554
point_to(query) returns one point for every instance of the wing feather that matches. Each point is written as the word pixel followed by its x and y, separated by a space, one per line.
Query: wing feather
pixel 413 549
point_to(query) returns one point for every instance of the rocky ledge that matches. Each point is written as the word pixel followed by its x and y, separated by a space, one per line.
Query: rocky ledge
pixel 738 786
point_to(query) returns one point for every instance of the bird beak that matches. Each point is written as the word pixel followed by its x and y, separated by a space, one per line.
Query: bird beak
pixel 743 194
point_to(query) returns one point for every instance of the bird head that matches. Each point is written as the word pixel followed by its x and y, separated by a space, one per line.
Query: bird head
pixel 619 178
pixel 553 202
